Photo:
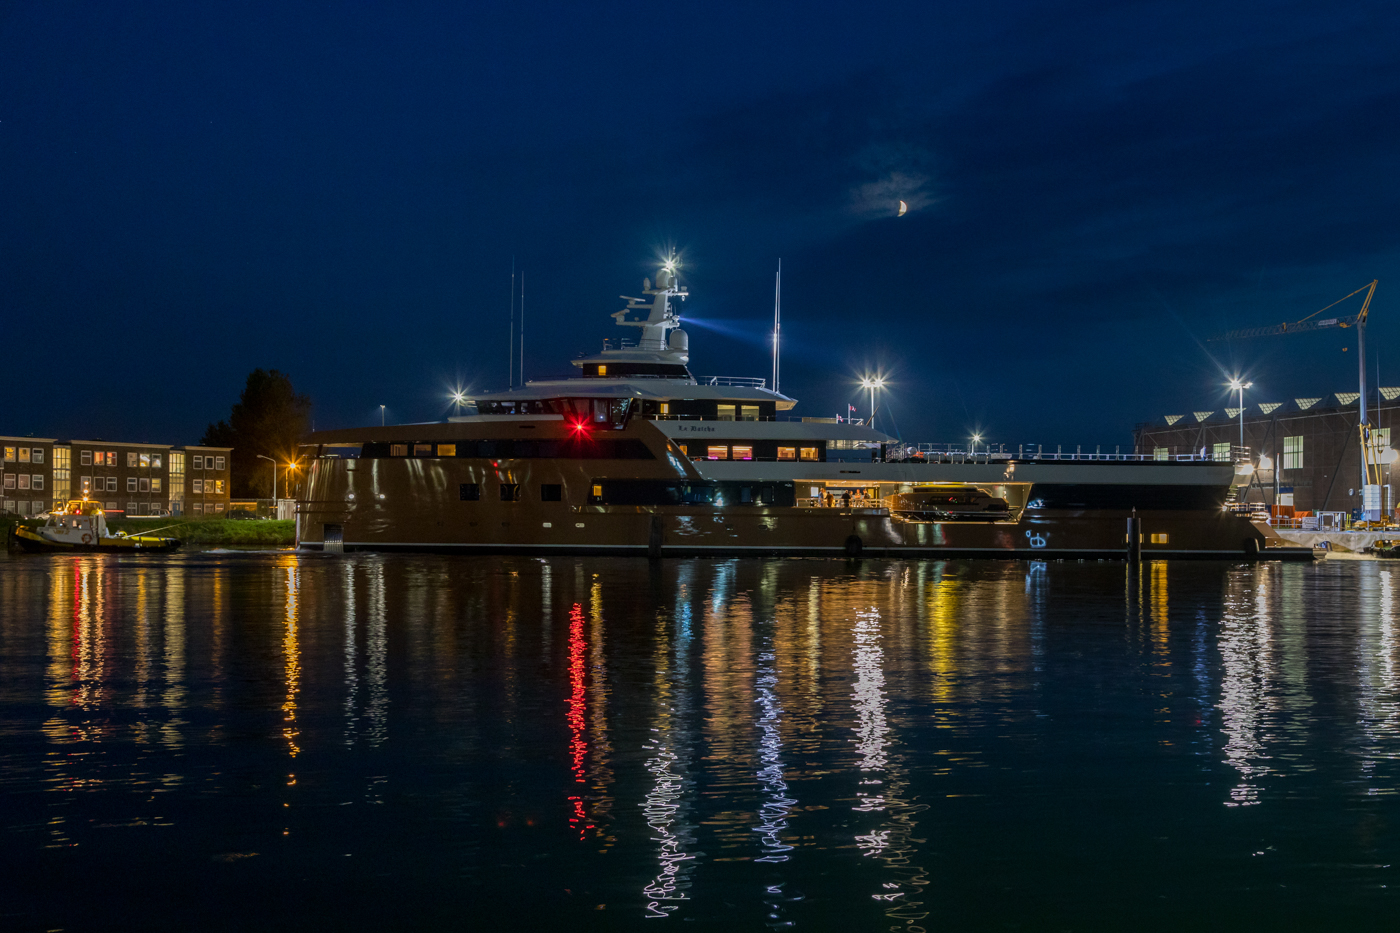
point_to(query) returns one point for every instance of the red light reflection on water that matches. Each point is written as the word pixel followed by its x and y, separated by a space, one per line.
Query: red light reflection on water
pixel 577 716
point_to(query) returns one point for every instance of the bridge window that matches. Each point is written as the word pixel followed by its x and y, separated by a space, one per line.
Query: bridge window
pixel 742 452
pixel 724 412
pixel 748 413
pixel 1159 539
pixel 1220 451
pixel 718 452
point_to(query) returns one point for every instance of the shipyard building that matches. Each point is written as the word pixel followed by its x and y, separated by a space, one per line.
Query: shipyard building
pixel 135 479
pixel 1305 452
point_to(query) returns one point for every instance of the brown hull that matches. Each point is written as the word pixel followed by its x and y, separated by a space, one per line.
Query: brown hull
pixel 415 504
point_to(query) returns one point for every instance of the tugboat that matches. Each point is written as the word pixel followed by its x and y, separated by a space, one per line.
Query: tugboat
pixel 82 526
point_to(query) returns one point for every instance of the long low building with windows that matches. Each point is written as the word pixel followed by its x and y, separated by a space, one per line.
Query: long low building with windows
pixel 1304 453
pixel 132 478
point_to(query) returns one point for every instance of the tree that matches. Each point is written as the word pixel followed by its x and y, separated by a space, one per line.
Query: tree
pixel 269 419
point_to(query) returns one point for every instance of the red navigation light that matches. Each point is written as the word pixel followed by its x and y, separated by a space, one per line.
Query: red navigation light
pixel 580 426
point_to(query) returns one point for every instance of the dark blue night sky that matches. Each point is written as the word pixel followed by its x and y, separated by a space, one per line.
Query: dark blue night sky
pixel 193 190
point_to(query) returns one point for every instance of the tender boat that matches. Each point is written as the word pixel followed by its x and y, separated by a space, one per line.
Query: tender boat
pixel 82 526
pixel 949 504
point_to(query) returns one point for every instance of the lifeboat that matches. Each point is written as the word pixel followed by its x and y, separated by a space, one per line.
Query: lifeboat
pixel 82 526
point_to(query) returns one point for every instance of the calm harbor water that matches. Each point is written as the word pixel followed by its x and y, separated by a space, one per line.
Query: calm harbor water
pixel 236 741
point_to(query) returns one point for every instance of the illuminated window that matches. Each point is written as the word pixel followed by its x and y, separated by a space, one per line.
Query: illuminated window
pixel 469 492
pixel 665 408
pixel 809 453
pixel 602 369
pixel 24 455
pixel 1221 451
pixel 787 453
pixel 551 492
pixel 447 450
pixel 748 413
pixel 145 460
pixel 1159 453
pixel 38 455
pixel 742 453
pixel 177 464
pixel 510 492
pixel 422 450
pixel 131 458
pixel 718 452
pixel 597 492
pixel 218 486
pixel 155 484
pixel 395 450
pixel 155 461
pixel 111 458
pixel 84 457
pixel 724 412
pixel 1159 539
pixel 1292 453
pixel 10 454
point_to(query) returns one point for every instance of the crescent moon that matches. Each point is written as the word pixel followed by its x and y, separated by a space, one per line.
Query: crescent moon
pixel 903 209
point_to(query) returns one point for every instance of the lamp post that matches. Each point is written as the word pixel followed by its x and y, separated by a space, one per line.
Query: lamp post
pixel 274 475
pixel 872 383
pixel 381 416
pixel 1239 386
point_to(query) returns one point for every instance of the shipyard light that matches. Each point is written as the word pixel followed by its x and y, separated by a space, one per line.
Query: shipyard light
pixel 976 439
pixel 872 383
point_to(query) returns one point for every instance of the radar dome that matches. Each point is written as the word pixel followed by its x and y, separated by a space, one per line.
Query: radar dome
pixel 680 340
pixel 663 279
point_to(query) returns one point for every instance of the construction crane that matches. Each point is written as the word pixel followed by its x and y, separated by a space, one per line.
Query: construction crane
pixel 1371 474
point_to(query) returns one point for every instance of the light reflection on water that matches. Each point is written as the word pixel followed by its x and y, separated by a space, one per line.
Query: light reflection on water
pixel 744 744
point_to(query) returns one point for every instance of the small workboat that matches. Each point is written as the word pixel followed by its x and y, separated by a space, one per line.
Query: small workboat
pixel 1385 548
pixel 82 526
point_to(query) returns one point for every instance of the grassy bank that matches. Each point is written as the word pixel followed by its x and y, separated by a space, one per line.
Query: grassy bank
pixel 204 532
pixel 220 532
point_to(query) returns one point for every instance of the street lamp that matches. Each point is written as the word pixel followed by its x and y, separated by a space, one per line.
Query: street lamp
pixel 274 475
pixel 381 416
pixel 872 383
pixel 1237 385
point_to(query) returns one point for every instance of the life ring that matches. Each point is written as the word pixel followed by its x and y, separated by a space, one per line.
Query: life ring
pixel 87 538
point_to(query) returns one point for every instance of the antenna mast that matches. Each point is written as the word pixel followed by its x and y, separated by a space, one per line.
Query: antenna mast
pixel 522 327
pixel 777 320
pixel 510 353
